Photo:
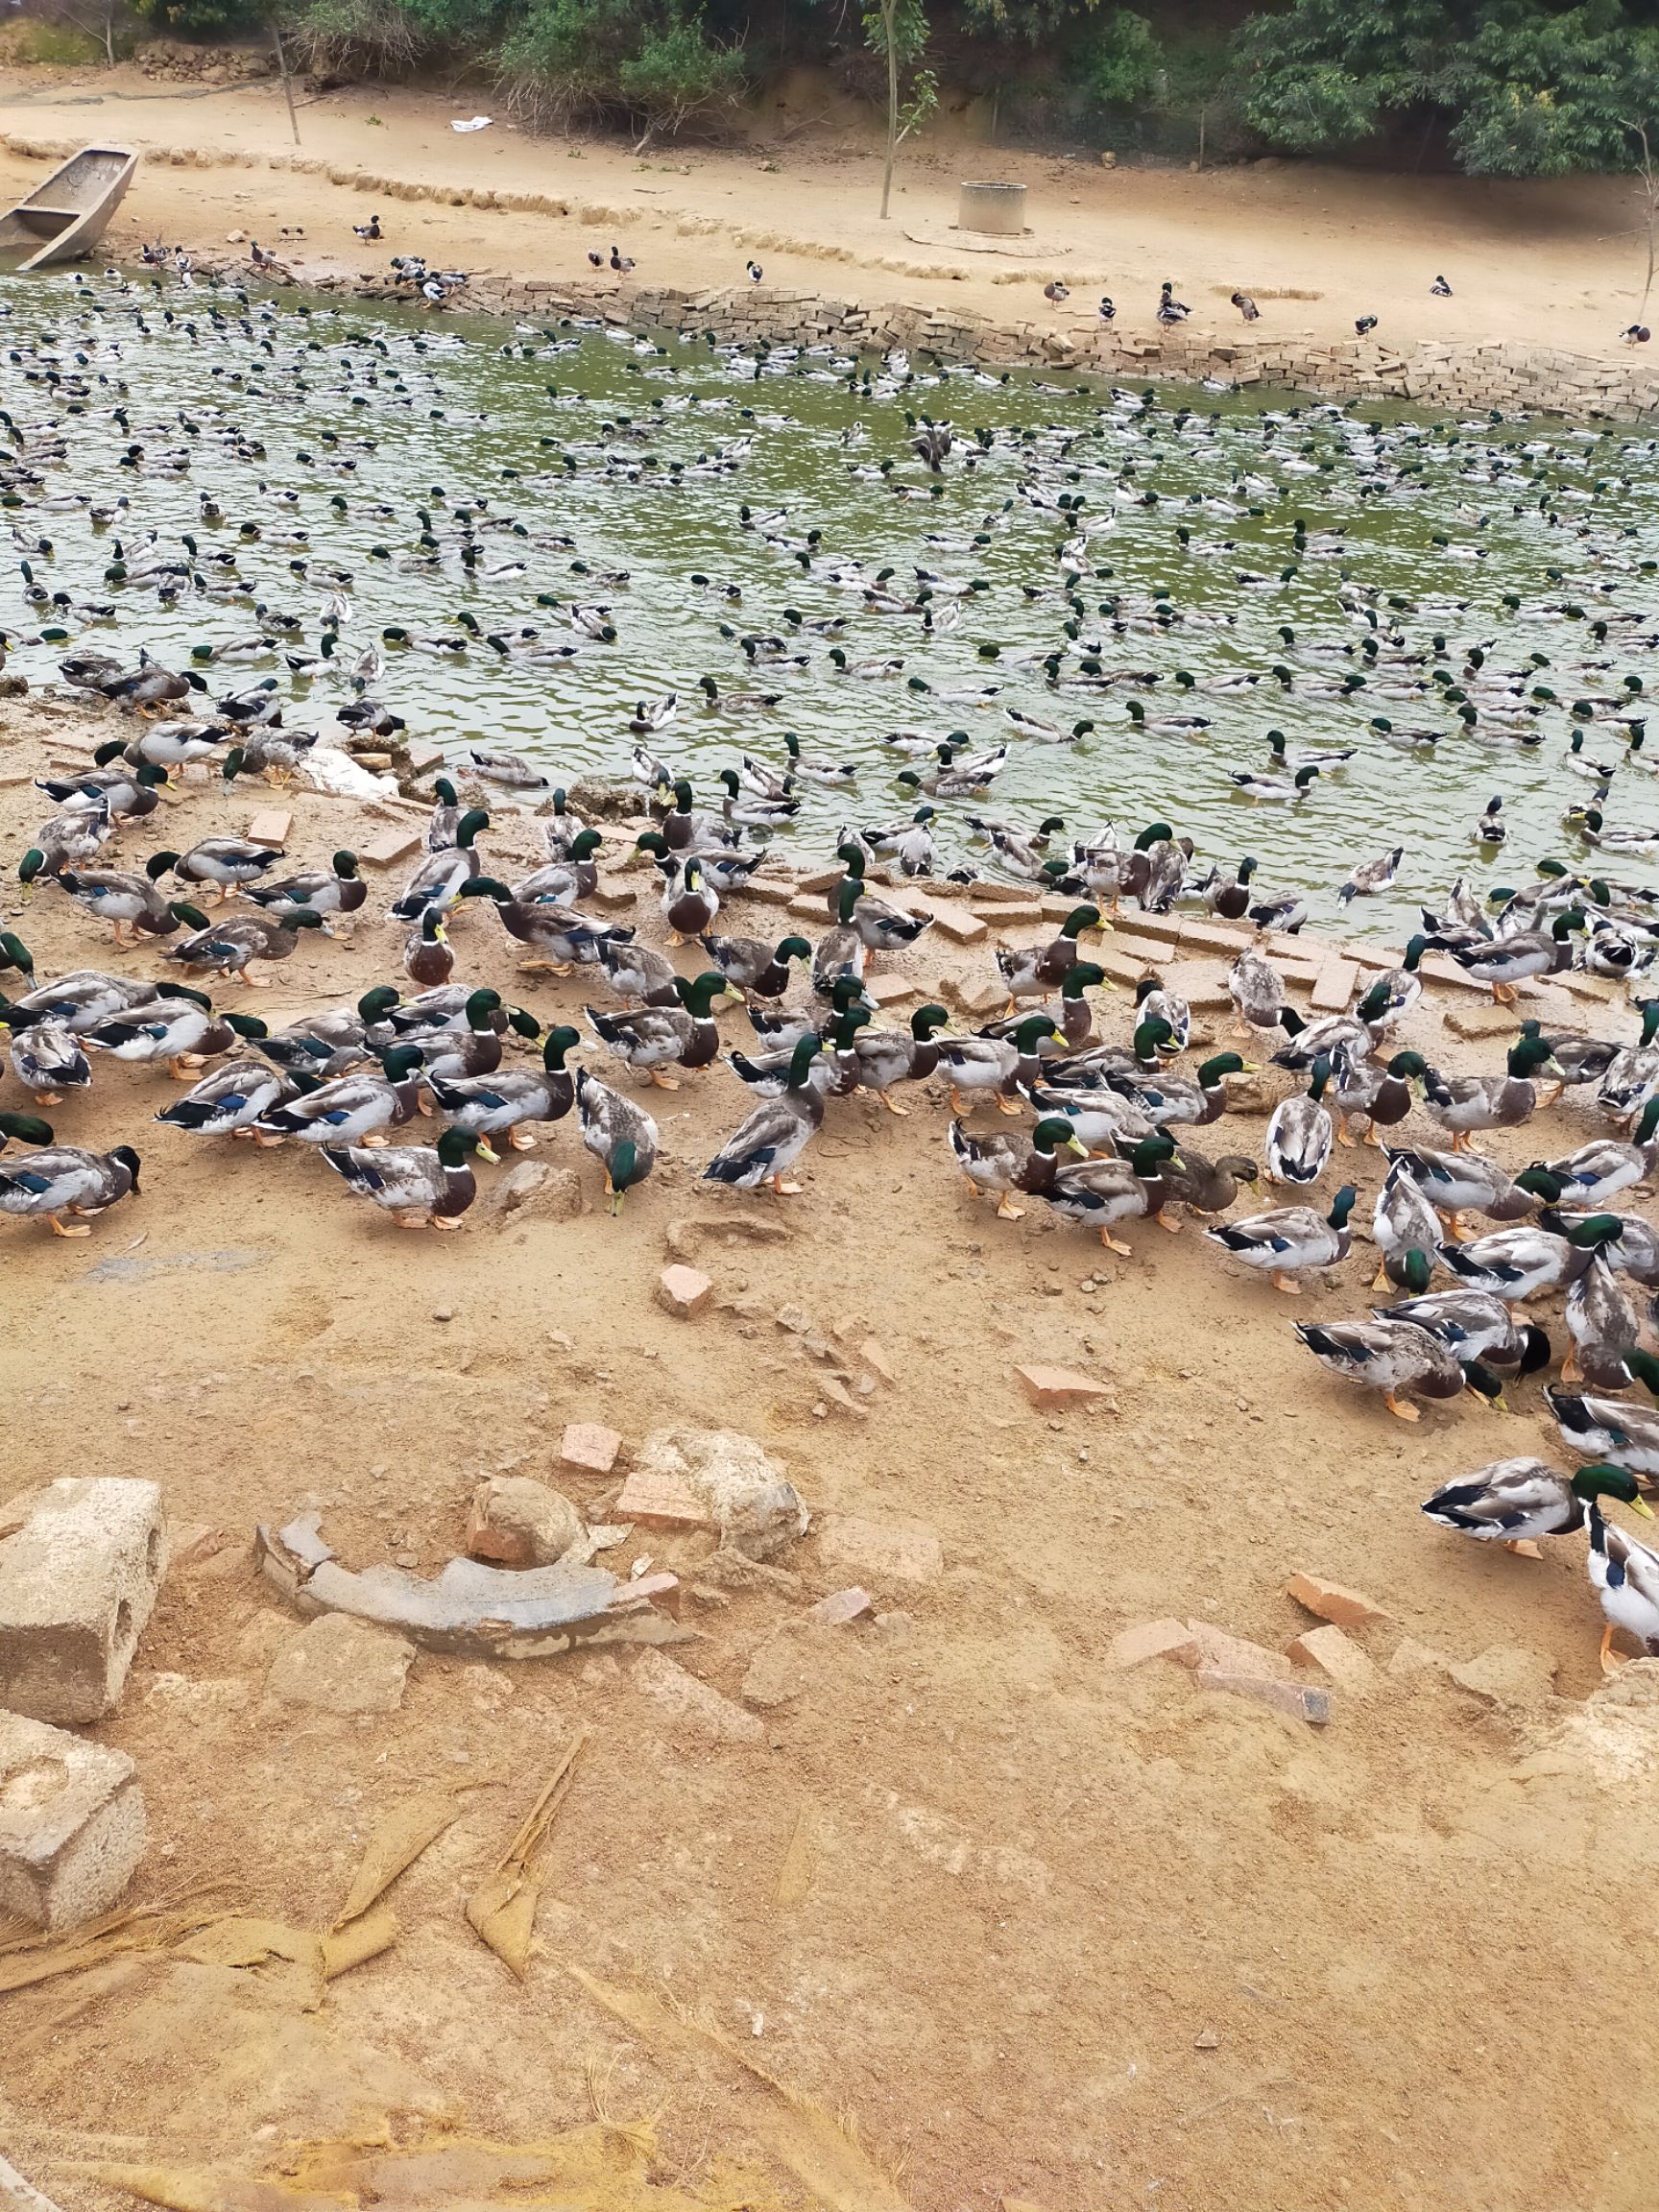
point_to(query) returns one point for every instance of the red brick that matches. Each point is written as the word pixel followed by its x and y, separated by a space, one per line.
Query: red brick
pixel 1293 1699
pixel 842 1606
pixel 1048 1387
pixel 684 1291
pixel 1336 1655
pixel 1331 1601
pixel 659 1502
pixel 1166 1639
pixel 590 1447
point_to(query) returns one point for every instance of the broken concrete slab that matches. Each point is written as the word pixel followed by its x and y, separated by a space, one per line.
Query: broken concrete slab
pixel 750 1498
pixel 1166 1639
pixel 339 1665
pixel 1235 1654
pixel 270 828
pixel 842 1607
pixel 72 1825
pixel 518 1522
pixel 1510 1676
pixel 880 1550
pixel 960 928
pixel 687 1699
pixel 1051 1388
pixel 80 1561
pixel 1334 1601
pixel 390 847
pixel 1336 1655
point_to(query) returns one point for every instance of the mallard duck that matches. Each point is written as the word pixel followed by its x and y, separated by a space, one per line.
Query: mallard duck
pixel 1602 1428
pixel 66 841
pixel 1517 1264
pixel 1274 790
pixel 1465 1103
pixel 124 794
pixel 1097 1193
pixel 750 964
pixel 882 927
pixel 122 901
pixel 1257 990
pixel 81 1000
pixel 1006 1163
pixel 1364 1090
pixel 689 903
pixel 15 953
pixel 509 769
pixel 1071 1012
pixel 182 1031
pixel 1204 1185
pixel 1624 1575
pixel 1459 1183
pixel 1298 1141
pixel 1602 1169
pixel 1227 894
pixel 1306 1041
pixel 353 1108
pixel 1042 967
pixel 420 1185
pixel 1103 1120
pixel 1370 879
pixel 1635 1250
pixel 998 1065
pixel 1167 1098
pixel 620 1134
pixel 556 937
pixel 496 1105
pixel 446 872
pixel 1514 1501
pixel 428 956
pixel 635 970
pixel 775 1135
pixel 1506 962
pixel 1603 1325
pixel 471 1045
pixel 1406 1233
pixel 46 1060
pixel 1289 1241
pixel 1153 1003
pixel 228 1102
pixel 445 817
pixel 338 889
pixel 573 876
pixel 227 863
pixel 653 1039
pixel 1392 1357
pixel 1474 1325
pixel 230 947
pixel 1098 1065
pixel 886 1057
pixel 1393 994
pixel 841 951
pixel 327 1044
pixel 738 813
pixel 24 1129
pixel 58 1178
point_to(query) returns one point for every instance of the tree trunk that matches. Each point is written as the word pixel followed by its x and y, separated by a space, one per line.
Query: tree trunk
pixel 890 32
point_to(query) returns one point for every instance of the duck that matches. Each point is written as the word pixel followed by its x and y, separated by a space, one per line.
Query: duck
pixel 24 1129
pixel 1517 1264
pixel 1377 1095
pixel 229 1101
pixel 1395 993
pixel 1515 1502
pixel 620 1134
pixel 1396 1356
pixel 1257 990
pixel 1098 1193
pixel 324 1045
pixel 1603 1325
pixel 1370 879
pixel 130 901
pixel 1306 1041
pixel 1154 1003
pixel 653 1039
pixel 911 844
pixel 338 889
pixel 1100 1065
pixel 1275 791
pixel 558 938
pixel 1407 1234
pixel 749 964
pixel 500 1104
pixel 80 1001
pixel 47 1060
pixel 840 951
pixel 1298 1142
pixel 124 794
pixel 636 970
pixel 444 876
pixel 1001 1066
pixel 183 1031
pixel 1167 1098
pixel 1458 1183
pixel 1227 894
pixel 1201 1185
pixel 230 947
pixel 1006 1163
pixel 772 1138
pixel 1474 1325
pixel 1071 1012
pixel 689 903
pixel 227 863
pixel 1503 963
pixel 420 1185
pixel 1465 1103
pixel 1604 1167
pixel 1029 972
pixel 1624 1574
pixel 1632 1075
pixel 445 816
pixel 428 956
pixel 1291 1241
pixel 1103 1120
pixel 887 1057
pixel 59 1179
pixel 1612 1428
pixel 574 875
pixel 355 1108
pixel 472 1045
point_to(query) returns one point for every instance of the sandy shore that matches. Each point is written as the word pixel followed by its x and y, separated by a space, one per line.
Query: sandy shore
pixel 1560 264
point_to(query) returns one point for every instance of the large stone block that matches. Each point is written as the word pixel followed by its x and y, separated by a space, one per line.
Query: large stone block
pixel 80 1561
pixel 72 1825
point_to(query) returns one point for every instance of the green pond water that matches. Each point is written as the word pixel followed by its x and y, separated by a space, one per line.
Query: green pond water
pixel 571 456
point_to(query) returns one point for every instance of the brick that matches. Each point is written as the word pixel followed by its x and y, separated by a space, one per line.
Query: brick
pixel 876 1549
pixel 684 1291
pixel 1010 895
pixel 1475 1024
pixel 1336 1655
pixel 1233 1654
pixel 1333 1601
pixel 611 895
pixel 80 1561
pixel 889 990
pixel 270 827
pixel 1334 986
pixel 1024 910
pixel 590 1449
pixel 1048 1387
pixel 821 880
pixel 960 928
pixel 390 847
pixel 980 994
pixel 684 1699
pixel 340 1665
pixel 1166 1639
pixel 72 1825
pixel 770 894
pixel 660 1502
pixel 1292 1698
pixel 843 1606
pixel 1201 983
pixel 809 909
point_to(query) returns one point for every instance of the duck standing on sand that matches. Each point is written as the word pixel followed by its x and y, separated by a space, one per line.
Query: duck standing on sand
pixel 767 1144
pixel 421 1187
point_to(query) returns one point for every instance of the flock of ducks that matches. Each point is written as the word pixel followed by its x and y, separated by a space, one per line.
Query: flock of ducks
pixel 1106 1127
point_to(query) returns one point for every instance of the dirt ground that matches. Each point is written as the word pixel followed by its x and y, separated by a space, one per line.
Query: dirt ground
pixel 1069 1936
pixel 1560 262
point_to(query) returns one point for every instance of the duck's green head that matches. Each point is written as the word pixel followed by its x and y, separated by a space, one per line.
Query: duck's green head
pixel 374 1005
pixel 558 1041
pixel 523 1024
pixel 474 819
pixel 790 949
pixel 1151 1037
pixel 345 865
pixel 1548 1188
pixel 1153 1154
pixel 24 1129
pixel 1481 1379
pixel 652 841
pixel 1079 919
pixel 585 844
pixel 848 897
pixel 1409 1066
pixel 400 1061
pixel 1031 1032
pixel 806 1050
pixel 1144 989
pixel 30 865
pixel 851 858
pixel 698 995
pixel 1415 1269
pixel 1594 1232
pixel 1055 1132
pixel 192 916
pixel 111 750
pixel 448 794
pixel 1529 1055
pixel 247 1026
pixel 1415 952
pixel 682 793
pixel 16 953
pixel 1600 1479
pixel 456 1145
pixel 233 763
pixel 1154 833
pixel 926 1020
pixel 482 1007
pixel 1647 1121
pixel 1645 1368
pixel 1082 976
pixel 1210 1074
pixel 1650 1020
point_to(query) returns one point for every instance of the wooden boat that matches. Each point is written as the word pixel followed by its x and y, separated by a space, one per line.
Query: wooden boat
pixel 66 216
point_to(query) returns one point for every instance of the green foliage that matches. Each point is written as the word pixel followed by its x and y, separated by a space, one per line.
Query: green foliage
pixel 1123 61
pixel 1524 90
pixel 196 18
pixel 657 63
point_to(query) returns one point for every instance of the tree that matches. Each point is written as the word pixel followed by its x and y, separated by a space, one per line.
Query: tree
pixel 898 31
